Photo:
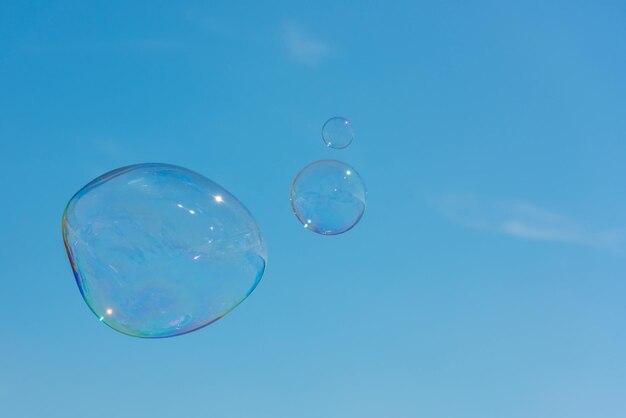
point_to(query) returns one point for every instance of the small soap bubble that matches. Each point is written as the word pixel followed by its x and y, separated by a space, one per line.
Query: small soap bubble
pixel 328 197
pixel 159 250
pixel 337 133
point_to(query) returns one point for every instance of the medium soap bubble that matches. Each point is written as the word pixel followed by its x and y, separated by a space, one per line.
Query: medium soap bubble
pixel 337 133
pixel 328 197
pixel 159 250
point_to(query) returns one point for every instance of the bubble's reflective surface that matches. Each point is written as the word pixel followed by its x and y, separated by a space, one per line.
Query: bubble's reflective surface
pixel 159 250
pixel 337 133
pixel 328 197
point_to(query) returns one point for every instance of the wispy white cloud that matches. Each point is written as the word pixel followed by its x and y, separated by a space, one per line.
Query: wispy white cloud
pixel 302 47
pixel 526 221
pixel 525 230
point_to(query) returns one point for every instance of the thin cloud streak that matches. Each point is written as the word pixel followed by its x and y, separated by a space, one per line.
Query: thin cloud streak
pixel 523 230
pixel 526 221
pixel 302 47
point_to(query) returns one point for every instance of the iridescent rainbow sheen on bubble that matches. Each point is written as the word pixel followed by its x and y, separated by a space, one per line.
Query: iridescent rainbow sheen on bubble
pixel 159 250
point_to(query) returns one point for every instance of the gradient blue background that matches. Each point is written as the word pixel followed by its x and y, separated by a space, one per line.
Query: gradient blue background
pixel 486 279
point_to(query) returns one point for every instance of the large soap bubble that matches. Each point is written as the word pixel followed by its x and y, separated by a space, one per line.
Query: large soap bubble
pixel 159 250
pixel 328 197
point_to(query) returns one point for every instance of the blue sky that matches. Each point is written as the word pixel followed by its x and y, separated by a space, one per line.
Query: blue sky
pixel 486 279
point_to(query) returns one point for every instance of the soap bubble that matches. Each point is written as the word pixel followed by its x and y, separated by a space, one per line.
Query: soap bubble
pixel 159 250
pixel 337 133
pixel 328 197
